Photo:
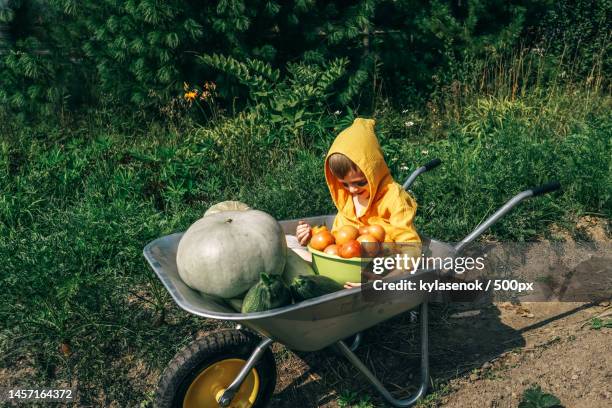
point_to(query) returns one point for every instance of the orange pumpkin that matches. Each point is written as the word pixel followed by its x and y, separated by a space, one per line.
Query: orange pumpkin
pixel 332 249
pixel 321 240
pixel 378 232
pixel 369 245
pixel 318 228
pixel 350 249
pixel 345 234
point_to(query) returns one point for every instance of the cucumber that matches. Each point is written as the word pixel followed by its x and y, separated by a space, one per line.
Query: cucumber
pixel 269 293
pixel 308 287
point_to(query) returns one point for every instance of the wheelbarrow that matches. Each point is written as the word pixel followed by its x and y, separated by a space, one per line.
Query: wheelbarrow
pixel 235 367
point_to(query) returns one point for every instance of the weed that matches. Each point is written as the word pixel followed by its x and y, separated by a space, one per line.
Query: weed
pixel 534 397
pixel 351 399
pixel 597 323
pixel 347 398
pixel 435 396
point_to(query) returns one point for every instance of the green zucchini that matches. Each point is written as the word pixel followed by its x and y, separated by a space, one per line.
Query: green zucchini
pixel 269 293
pixel 308 287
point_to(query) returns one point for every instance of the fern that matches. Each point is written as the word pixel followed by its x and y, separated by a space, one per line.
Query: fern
pixel 258 76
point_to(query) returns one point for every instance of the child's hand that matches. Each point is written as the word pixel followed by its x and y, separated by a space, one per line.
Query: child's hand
pixel 351 285
pixel 303 232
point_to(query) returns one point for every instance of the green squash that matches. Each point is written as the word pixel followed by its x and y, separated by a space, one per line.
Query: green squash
pixel 269 293
pixel 294 267
pixel 308 287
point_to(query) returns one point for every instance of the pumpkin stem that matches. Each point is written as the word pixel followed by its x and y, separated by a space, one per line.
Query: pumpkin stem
pixel 265 278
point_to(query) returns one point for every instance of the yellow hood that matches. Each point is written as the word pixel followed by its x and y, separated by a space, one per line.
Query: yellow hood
pixel 358 142
pixel 389 205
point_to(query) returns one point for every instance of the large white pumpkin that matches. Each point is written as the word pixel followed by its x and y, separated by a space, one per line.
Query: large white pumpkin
pixel 224 254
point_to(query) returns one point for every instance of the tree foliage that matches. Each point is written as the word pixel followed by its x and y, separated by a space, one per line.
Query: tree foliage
pixel 65 53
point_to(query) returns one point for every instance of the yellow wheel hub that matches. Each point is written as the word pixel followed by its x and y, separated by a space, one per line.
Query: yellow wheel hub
pixel 210 384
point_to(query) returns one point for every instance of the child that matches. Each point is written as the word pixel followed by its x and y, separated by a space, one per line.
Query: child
pixel 362 188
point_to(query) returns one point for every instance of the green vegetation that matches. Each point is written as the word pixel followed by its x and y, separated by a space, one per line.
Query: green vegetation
pixel 534 397
pixel 85 188
pixel 597 323
pixel 351 399
pixel 60 55
pixel 78 204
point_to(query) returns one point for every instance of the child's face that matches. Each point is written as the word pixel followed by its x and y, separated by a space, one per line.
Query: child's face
pixel 356 184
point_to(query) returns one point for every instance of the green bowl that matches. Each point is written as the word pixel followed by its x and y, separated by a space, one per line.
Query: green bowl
pixel 341 270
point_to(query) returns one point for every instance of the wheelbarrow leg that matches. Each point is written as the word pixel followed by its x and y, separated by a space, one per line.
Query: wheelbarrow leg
pixel 233 388
pixel 424 366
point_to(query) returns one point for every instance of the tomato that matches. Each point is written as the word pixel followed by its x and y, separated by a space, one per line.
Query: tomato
pixel 321 240
pixel 369 245
pixel 332 249
pixel 377 231
pixel 350 249
pixel 318 228
pixel 345 234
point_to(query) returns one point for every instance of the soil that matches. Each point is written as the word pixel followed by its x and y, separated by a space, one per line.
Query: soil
pixel 480 357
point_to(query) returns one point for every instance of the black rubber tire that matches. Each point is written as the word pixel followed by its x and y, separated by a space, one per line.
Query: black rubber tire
pixel 201 353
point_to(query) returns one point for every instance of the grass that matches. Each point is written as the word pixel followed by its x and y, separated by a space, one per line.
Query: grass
pixel 352 399
pixel 597 323
pixel 534 397
pixel 435 396
pixel 78 204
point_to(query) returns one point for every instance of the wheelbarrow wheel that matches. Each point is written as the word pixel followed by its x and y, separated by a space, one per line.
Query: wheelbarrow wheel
pixel 200 372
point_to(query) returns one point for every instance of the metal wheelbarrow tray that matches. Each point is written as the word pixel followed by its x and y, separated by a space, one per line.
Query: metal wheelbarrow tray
pixel 317 323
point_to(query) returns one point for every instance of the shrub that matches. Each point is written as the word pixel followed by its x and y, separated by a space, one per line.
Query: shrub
pixel 138 53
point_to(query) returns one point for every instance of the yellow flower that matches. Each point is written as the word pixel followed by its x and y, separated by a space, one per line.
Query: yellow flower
pixel 190 96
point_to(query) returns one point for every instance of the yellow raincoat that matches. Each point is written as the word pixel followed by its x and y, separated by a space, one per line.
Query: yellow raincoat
pixel 389 204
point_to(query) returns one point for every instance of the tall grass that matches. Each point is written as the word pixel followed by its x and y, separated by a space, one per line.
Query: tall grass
pixel 549 80
pixel 506 124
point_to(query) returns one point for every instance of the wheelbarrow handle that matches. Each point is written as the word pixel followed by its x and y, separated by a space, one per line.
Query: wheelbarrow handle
pixel 546 188
pixel 427 166
pixel 505 209
pixel 432 164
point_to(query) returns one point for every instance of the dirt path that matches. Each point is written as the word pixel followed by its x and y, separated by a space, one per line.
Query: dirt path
pixel 567 358
pixel 481 357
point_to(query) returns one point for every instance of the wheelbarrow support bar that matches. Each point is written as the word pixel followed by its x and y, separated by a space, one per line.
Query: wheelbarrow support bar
pixel 233 388
pixel 424 366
